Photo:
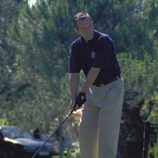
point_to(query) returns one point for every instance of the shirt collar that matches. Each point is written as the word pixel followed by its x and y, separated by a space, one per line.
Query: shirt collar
pixel 95 37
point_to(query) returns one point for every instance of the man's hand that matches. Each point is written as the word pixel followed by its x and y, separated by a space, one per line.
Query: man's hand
pixel 78 113
pixel 80 100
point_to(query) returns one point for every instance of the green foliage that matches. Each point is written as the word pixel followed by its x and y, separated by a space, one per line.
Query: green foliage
pixel 39 64
pixel 34 51
pixel 139 75
pixel 71 152
pixel 3 121
pixel 140 101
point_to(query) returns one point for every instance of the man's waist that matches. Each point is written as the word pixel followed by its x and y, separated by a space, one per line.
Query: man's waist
pixel 99 84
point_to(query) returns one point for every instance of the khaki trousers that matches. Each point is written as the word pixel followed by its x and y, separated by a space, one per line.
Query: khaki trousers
pixel 100 122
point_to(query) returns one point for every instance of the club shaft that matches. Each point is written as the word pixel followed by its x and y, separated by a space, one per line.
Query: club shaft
pixel 40 148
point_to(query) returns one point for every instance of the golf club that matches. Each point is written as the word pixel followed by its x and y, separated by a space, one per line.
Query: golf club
pixel 40 148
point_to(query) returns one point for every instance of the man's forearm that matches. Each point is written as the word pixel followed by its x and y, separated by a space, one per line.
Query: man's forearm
pixel 91 77
pixel 74 82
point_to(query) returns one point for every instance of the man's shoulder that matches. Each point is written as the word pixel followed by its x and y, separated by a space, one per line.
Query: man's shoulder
pixel 103 37
pixel 75 45
pixel 76 42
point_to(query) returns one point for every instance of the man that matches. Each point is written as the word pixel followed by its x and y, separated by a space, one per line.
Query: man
pixel 102 93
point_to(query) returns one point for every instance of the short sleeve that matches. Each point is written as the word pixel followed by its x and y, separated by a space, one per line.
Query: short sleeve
pixel 74 64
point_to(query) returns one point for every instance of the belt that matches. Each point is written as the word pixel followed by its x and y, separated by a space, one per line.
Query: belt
pixel 109 81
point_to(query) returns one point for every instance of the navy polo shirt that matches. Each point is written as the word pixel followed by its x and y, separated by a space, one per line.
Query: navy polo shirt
pixel 98 53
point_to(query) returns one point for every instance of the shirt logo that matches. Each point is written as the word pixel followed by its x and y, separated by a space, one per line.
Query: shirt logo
pixel 93 55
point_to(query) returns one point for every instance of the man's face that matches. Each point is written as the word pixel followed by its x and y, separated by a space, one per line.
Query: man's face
pixel 85 28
